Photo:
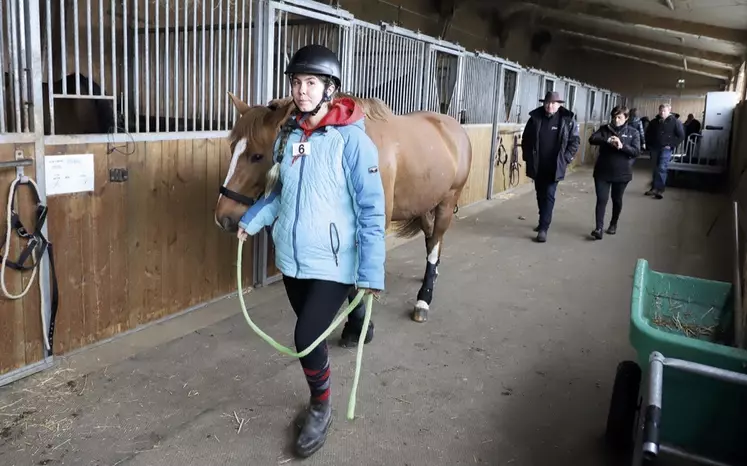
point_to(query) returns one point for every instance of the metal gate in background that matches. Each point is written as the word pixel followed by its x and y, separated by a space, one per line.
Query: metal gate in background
pixel 443 84
pixel 386 65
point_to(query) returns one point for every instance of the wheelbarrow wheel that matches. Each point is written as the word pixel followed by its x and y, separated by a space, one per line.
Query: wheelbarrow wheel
pixel 621 417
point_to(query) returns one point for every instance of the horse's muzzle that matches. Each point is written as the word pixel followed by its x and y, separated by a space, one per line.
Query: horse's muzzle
pixel 227 224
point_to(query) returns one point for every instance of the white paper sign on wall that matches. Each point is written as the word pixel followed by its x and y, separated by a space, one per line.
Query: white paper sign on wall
pixel 66 174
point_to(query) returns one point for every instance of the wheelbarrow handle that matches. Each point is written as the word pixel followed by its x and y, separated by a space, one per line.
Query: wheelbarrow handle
pixel 651 423
pixel 652 415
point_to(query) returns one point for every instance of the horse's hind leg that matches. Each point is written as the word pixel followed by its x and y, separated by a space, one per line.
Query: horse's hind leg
pixel 444 212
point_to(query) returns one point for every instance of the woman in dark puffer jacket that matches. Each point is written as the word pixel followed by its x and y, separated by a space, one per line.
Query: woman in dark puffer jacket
pixel 619 146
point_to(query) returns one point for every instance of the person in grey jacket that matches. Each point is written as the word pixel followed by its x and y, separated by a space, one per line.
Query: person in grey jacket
pixel 637 124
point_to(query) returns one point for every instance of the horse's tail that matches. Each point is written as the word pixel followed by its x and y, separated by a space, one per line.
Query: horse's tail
pixel 407 228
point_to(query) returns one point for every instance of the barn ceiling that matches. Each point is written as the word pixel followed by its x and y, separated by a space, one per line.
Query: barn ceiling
pixel 705 37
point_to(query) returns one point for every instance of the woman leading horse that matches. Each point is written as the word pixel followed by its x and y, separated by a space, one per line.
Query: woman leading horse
pixel 325 200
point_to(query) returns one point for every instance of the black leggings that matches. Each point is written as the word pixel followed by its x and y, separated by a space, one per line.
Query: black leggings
pixel 603 194
pixel 315 303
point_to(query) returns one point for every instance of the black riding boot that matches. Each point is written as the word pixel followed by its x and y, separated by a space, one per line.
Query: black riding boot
pixel 353 327
pixel 315 427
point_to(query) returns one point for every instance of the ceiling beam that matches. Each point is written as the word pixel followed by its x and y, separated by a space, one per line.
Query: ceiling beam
pixel 652 61
pixel 446 10
pixel 715 60
pixel 629 36
pixel 628 18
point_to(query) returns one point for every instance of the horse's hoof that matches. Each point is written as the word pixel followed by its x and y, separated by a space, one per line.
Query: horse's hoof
pixel 420 313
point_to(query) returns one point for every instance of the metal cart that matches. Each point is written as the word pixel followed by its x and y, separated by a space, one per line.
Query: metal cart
pixel 696 409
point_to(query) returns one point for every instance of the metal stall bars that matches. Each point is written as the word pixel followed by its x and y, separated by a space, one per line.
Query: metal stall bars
pixel 22 127
pixel 481 87
pixel 530 89
pixel 441 71
pixel 297 24
pixel 443 83
pixel 582 108
pixel 154 67
pixel 510 104
pixel 481 91
pixel 387 66
pixel 195 53
pixel 72 78
pixel 508 115
pixel 289 26
pixel 592 106
pixel 16 70
pixel 185 57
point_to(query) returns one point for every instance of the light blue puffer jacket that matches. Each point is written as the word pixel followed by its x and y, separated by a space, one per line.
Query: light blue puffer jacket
pixel 330 209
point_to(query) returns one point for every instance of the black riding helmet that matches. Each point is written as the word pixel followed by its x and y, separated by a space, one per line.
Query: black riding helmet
pixel 317 60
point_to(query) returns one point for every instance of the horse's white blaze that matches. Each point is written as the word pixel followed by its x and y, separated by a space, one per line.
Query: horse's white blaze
pixel 237 152
pixel 433 255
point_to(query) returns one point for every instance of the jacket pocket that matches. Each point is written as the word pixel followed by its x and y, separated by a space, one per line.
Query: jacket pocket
pixel 334 241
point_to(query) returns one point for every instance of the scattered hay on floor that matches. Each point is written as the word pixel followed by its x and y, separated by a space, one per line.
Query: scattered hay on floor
pixel 45 408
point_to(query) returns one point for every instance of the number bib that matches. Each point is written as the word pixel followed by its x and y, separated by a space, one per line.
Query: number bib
pixel 301 149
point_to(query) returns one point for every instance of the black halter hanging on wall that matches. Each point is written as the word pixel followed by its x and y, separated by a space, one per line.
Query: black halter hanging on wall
pixel 32 255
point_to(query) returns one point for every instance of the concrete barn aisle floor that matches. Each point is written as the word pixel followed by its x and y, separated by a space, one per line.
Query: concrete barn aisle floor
pixel 514 367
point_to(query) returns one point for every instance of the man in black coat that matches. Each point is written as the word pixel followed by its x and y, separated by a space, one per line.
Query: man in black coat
pixel 549 145
pixel 663 135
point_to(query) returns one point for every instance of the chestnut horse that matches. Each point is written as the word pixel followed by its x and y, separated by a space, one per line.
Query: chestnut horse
pixel 424 161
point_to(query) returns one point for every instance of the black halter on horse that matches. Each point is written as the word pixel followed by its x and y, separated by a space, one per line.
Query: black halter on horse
pixel 237 197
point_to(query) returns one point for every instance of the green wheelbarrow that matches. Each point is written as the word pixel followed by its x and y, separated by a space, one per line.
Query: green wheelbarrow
pixel 685 396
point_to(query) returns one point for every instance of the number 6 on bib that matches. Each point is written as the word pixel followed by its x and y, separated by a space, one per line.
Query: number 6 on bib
pixel 301 148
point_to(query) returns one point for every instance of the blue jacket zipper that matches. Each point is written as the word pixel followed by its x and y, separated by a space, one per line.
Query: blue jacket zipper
pixel 334 234
pixel 298 208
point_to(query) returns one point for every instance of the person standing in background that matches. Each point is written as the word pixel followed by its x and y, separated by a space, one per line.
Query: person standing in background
pixel 692 126
pixel 664 134
pixel 637 124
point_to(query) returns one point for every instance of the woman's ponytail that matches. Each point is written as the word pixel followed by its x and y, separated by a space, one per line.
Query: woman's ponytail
pixel 274 174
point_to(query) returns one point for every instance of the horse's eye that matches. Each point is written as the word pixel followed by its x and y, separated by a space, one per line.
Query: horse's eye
pixel 256 157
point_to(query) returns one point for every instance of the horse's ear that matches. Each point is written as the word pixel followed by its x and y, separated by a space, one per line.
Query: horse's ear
pixel 280 111
pixel 240 105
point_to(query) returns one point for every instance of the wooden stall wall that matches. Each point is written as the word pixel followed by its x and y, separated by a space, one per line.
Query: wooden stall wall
pixel 502 175
pixel 135 251
pixel 476 188
pixel 21 337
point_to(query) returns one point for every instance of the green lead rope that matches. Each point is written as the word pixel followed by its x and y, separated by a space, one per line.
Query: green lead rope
pixel 340 318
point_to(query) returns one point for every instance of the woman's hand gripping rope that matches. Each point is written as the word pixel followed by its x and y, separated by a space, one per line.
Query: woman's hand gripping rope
pixel 369 296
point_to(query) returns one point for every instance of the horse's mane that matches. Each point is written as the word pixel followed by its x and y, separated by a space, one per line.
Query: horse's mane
pixel 254 122
pixel 373 108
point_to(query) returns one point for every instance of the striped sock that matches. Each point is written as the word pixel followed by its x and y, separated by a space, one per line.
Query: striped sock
pixel 318 380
